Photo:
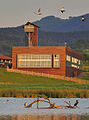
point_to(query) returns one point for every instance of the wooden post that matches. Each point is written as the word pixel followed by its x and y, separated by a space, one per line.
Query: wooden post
pixel 37 103
pixel 29 39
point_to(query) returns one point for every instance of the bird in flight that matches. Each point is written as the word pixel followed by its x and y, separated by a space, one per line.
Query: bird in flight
pixel 83 18
pixel 62 9
pixel 38 12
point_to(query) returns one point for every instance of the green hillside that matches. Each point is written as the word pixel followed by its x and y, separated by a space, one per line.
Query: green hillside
pixel 81 46
pixel 15 84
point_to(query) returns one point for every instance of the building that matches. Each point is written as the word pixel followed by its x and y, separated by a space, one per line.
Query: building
pixel 5 61
pixel 56 60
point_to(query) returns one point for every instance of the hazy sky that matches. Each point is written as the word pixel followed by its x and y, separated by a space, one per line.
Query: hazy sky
pixel 17 12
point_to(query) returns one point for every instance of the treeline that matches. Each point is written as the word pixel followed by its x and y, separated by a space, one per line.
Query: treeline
pixel 9 37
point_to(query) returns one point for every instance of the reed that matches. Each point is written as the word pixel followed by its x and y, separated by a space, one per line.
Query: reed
pixel 47 93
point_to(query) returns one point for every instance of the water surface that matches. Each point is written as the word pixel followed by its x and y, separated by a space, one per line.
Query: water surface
pixel 13 109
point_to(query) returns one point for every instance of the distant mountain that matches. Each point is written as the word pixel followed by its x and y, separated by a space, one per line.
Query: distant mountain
pixel 11 37
pixel 53 32
pixel 55 24
pixel 55 38
pixel 15 37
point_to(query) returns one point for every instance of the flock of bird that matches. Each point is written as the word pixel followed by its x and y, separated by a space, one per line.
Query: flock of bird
pixel 62 10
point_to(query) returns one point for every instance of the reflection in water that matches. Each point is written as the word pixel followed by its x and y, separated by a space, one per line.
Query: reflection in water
pixel 45 117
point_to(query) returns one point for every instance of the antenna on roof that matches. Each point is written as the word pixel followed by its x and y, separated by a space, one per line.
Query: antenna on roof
pixel 65 43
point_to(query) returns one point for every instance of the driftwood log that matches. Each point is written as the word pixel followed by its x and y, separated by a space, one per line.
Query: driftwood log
pixel 52 105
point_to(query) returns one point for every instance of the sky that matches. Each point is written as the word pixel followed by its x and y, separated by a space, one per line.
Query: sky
pixel 17 12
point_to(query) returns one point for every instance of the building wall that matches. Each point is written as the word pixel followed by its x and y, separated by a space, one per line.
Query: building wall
pixel 41 50
pixel 72 72
pixel 64 69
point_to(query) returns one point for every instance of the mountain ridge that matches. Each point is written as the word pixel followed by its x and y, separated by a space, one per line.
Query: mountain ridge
pixel 15 36
pixel 55 24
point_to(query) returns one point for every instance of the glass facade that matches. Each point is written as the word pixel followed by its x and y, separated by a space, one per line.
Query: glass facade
pixel 37 61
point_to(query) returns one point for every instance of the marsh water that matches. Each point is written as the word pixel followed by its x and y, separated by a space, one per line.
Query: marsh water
pixel 13 109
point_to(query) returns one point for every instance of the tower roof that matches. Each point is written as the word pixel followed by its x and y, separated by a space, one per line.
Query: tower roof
pixel 31 24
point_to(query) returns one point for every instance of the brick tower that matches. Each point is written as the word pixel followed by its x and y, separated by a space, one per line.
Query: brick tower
pixel 31 34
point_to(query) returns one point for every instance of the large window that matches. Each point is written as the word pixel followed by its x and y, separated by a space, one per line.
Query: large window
pixel 56 63
pixel 29 28
pixel 68 58
pixel 73 62
pixel 34 61
pixel 38 61
pixel 76 61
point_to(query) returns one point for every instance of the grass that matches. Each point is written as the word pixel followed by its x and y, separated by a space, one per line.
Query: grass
pixel 85 66
pixel 17 78
pixel 42 86
pixel 85 76
pixel 16 84
pixel 10 80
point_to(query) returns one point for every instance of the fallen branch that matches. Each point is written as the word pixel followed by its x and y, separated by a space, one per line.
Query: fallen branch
pixel 52 105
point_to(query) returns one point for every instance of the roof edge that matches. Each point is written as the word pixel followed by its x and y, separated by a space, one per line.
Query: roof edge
pixel 32 24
